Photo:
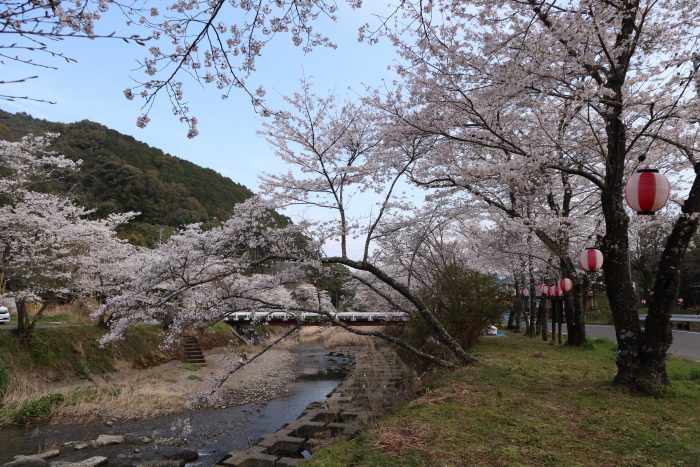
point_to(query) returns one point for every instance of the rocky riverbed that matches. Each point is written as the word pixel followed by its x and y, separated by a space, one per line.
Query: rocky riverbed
pixel 259 399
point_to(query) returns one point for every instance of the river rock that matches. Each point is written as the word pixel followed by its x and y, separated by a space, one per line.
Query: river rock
pixel 49 454
pixel 186 455
pixel 107 440
pixel 91 462
pixel 80 445
pixel 163 463
pixel 27 461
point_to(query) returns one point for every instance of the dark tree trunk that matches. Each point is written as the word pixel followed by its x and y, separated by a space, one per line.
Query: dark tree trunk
pixel 514 306
pixel 645 370
pixel 573 309
pixel 533 301
pixel 436 327
pixel 25 322
pixel 618 283
pixel 640 366
pixel 512 314
pixel 542 317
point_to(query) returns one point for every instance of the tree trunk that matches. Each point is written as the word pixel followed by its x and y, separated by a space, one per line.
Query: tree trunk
pixel 436 327
pixel 640 370
pixel 646 369
pixel 543 317
pixel 25 323
pixel 511 315
pixel 573 309
pixel 533 301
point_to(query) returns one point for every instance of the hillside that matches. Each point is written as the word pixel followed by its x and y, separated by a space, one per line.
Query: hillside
pixel 120 173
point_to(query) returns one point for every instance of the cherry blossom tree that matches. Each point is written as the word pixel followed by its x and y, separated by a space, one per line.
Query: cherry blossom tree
pixel 590 90
pixel 211 43
pixel 341 152
pixel 200 276
pixel 51 250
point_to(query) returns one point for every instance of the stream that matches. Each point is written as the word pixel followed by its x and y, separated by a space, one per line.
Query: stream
pixel 212 432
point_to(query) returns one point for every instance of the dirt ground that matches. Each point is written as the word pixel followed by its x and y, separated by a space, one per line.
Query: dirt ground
pixel 175 386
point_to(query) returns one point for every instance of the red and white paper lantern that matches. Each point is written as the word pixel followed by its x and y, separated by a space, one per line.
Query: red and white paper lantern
pixel 554 291
pixel 566 284
pixel 591 259
pixel 647 191
pixel 543 289
pixel 524 292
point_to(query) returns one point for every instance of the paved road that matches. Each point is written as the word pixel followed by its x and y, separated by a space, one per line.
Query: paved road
pixel 685 343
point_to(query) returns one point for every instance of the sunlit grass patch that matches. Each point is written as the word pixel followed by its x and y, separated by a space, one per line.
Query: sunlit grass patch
pixel 528 403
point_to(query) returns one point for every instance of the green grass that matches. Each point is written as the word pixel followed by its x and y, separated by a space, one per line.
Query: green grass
pixel 70 350
pixel 527 403
pixel 90 394
pixel 36 410
pixel 191 366
pixel 75 351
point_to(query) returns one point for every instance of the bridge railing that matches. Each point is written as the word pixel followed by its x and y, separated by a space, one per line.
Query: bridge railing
pixel 345 316
pixel 678 318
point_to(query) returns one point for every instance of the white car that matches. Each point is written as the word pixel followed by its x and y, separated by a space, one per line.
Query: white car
pixel 4 315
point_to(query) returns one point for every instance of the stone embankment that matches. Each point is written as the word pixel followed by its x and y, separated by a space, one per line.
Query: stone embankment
pixel 377 381
pixel 175 457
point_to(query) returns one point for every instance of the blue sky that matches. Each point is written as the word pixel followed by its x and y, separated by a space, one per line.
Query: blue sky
pixel 93 89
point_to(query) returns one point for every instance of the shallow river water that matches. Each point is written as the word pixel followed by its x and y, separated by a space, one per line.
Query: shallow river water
pixel 213 432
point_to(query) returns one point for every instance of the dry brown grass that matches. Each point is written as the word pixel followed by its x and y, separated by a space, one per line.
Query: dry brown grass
pixel 77 310
pixel 397 439
pixel 342 338
pixel 49 445
pixel 127 402
pixel 24 387
pixel 460 392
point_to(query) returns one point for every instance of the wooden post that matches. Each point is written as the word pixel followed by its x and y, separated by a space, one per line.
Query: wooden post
pixel 553 315
pixel 560 318
pixel 543 318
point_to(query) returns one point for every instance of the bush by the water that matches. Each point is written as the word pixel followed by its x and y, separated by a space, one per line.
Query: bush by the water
pixel 465 301
pixel 37 410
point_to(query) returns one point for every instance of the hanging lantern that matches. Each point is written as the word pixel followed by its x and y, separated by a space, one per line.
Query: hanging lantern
pixel 524 292
pixel 591 259
pixel 566 284
pixel 554 291
pixel 542 288
pixel 647 191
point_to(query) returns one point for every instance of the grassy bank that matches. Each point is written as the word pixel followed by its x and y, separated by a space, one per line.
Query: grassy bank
pixel 528 403
pixel 55 370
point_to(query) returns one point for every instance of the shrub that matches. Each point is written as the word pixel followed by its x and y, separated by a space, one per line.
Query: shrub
pixel 465 302
pixel 37 410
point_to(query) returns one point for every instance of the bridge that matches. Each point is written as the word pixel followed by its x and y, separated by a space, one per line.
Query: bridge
pixel 286 318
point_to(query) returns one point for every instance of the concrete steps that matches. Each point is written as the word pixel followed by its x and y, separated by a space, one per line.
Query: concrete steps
pixel 375 383
pixel 193 352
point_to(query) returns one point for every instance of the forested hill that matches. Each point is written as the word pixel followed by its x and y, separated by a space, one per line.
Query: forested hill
pixel 119 174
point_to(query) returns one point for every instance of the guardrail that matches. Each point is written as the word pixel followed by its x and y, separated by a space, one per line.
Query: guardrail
pixel 309 317
pixel 678 318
